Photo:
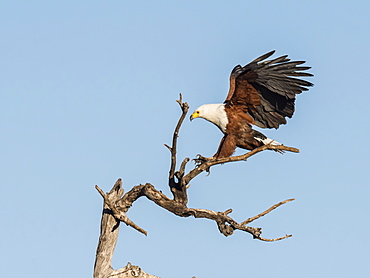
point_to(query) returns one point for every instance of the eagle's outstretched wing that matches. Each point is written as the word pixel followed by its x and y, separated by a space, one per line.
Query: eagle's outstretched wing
pixel 266 89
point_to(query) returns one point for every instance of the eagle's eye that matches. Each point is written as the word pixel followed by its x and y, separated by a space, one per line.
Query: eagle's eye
pixel 197 112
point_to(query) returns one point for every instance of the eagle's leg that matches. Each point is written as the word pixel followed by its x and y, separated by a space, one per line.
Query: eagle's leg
pixel 227 146
pixel 225 149
pixel 201 159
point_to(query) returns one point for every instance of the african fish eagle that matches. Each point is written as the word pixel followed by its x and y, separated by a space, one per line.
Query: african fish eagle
pixel 261 93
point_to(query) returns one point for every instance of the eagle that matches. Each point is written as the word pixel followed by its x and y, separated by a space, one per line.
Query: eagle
pixel 262 93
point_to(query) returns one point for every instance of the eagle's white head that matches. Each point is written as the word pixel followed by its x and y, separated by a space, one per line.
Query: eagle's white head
pixel 215 113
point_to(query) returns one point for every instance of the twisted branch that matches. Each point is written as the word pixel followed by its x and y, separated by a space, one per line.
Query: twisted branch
pixel 179 182
pixel 225 223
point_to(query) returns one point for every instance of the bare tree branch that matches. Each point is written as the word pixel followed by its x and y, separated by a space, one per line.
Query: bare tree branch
pixel 249 220
pixel 177 188
pixel 117 204
pixel 207 164
pixel 173 149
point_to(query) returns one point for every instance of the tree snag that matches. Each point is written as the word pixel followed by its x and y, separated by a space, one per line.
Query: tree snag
pixel 117 203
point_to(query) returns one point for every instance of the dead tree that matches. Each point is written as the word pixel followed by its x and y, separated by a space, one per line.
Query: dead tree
pixel 117 204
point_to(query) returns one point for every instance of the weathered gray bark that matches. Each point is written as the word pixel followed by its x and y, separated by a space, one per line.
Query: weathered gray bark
pixel 107 242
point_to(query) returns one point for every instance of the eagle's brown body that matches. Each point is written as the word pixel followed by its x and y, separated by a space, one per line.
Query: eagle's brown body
pixel 239 133
pixel 261 93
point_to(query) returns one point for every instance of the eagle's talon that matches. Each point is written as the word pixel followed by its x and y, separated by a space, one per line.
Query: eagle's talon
pixel 201 159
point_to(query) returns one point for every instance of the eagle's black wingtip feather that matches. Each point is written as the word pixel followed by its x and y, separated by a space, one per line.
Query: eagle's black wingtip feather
pixel 263 57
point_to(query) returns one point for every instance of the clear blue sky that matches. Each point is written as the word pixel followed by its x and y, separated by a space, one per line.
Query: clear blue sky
pixel 88 92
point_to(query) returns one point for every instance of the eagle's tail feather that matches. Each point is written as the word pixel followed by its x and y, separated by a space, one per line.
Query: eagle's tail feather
pixel 265 141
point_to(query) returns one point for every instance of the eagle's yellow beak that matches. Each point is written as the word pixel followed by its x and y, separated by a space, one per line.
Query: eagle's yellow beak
pixel 194 115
